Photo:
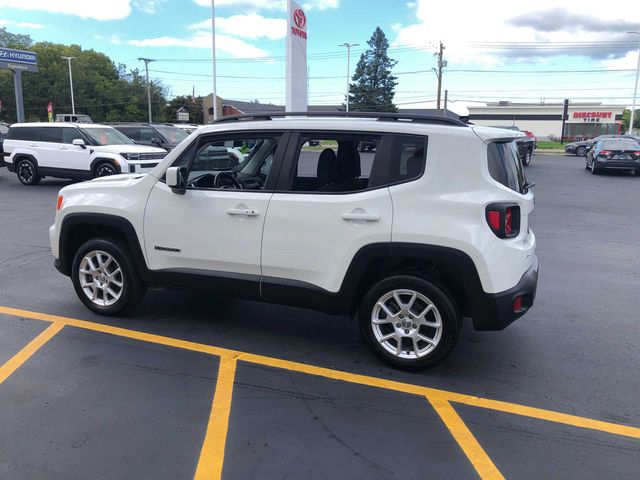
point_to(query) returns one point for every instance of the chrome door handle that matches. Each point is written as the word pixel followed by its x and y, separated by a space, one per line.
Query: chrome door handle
pixel 33 144
pixel 247 212
pixel 63 148
pixel 367 217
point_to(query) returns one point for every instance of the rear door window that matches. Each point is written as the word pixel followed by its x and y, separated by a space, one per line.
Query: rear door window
pixel 51 134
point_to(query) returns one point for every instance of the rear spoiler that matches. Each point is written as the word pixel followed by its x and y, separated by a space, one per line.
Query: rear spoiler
pixel 492 134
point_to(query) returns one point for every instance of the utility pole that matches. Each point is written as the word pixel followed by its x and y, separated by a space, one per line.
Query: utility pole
pixel 441 64
pixel 214 97
pixel 146 67
pixel 635 90
pixel 73 103
pixel 348 45
pixel 446 96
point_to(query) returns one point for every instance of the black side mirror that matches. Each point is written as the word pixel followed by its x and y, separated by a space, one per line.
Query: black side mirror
pixel 156 140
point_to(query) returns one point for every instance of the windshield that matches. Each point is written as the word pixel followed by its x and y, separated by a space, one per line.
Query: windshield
pixel 172 135
pixel 106 136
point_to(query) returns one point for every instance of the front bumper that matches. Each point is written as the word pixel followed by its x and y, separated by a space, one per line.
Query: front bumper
pixel 494 311
pixel 570 149
pixel 145 167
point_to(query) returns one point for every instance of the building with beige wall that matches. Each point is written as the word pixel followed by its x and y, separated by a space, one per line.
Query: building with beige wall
pixel 544 120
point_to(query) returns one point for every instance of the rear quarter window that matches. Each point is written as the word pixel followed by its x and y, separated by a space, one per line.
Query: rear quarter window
pixel 24 133
pixel 505 165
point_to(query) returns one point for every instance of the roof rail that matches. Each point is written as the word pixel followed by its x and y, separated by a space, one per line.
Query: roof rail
pixel 380 116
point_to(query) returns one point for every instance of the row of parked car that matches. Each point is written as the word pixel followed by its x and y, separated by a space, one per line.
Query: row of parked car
pixel 85 150
pixel 609 152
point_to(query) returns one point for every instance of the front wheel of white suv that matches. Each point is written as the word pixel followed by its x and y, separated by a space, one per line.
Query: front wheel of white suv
pixel 105 277
pixel 409 322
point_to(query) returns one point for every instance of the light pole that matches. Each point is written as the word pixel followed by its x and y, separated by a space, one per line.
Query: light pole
pixel 214 98
pixel 146 67
pixel 348 45
pixel 635 89
pixel 73 103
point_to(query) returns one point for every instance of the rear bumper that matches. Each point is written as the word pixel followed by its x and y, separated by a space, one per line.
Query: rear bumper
pixel 618 164
pixel 494 311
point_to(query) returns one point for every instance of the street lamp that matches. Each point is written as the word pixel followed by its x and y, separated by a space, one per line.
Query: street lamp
pixel 348 45
pixel 635 89
pixel 214 99
pixel 73 104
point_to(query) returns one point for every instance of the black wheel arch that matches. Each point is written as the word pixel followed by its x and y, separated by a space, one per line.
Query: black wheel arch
pixel 24 156
pixel 77 228
pixel 100 160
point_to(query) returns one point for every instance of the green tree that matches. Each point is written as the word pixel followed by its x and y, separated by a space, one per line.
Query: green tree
pixel 626 118
pixel 14 40
pixel 373 86
pixel 191 105
pixel 102 89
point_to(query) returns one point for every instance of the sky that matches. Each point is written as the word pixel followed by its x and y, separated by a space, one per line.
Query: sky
pixel 495 50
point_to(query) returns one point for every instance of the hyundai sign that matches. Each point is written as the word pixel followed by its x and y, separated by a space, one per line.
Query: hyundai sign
pixel 18 60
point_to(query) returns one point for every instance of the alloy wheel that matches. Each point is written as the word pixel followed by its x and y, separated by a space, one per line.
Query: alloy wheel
pixel 406 323
pixel 25 172
pixel 105 170
pixel 101 278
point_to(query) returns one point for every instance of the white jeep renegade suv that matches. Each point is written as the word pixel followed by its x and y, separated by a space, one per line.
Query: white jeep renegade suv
pixel 429 225
pixel 73 150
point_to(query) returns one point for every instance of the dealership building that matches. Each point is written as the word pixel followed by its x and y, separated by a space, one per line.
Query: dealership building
pixel 544 120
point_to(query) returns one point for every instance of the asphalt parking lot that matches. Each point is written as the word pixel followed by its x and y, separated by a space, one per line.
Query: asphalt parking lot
pixel 200 386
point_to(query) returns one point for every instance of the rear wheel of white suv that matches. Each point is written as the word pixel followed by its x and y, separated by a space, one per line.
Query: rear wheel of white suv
pixel 409 322
pixel 27 172
pixel 105 278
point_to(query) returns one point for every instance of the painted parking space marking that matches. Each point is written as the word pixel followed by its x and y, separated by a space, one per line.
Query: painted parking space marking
pixel 212 454
pixel 32 347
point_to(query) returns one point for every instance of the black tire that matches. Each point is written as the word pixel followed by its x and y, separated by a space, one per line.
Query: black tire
pixel 27 172
pixel 450 319
pixel 133 288
pixel 594 170
pixel 105 169
pixel 581 151
pixel 526 161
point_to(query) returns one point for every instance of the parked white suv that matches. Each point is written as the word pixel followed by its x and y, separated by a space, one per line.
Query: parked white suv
pixel 73 150
pixel 430 225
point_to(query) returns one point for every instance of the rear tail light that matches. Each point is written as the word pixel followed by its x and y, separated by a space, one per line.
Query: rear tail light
pixel 504 219
pixel 637 154
pixel 517 304
pixel 604 153
pixel 59 203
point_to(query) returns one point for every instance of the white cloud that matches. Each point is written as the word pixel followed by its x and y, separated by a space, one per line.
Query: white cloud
pixel 13 23
pixel 497 25
pixel 271 4
pixel 396 27
pixel 251 26
pixel 113 39
pixel 321 4
pixel 95 9
pixel 147 6
pixel 254 4
pixel 201 39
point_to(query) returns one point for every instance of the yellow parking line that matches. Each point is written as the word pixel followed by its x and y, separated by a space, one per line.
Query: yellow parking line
pixel 470 446
pixel 212 453
pixel 542 414
pixel 32 347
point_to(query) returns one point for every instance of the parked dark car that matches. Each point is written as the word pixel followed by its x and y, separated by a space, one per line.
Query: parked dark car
pixel 582 147
pixel 152 134
pixel 526 145
pixel 614 154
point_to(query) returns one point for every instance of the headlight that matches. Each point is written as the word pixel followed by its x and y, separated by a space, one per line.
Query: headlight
pixel 130 156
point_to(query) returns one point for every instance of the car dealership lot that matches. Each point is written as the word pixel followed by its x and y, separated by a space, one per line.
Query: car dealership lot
pixel 97 402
